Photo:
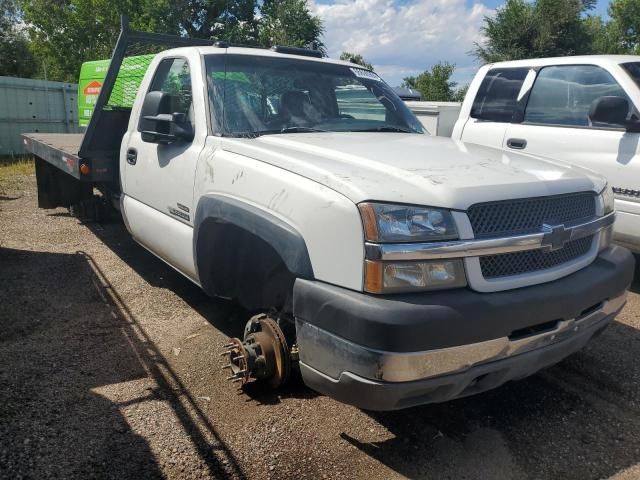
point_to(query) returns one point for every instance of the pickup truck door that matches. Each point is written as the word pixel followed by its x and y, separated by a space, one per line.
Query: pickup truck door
pixel 494 106
pixel 556 125
pixel 158 179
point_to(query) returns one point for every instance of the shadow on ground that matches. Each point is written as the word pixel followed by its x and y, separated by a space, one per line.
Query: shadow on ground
pixel 225 316
pixel 63 333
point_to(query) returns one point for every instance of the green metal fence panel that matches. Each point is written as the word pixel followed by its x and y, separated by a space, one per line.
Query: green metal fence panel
pixel 28 105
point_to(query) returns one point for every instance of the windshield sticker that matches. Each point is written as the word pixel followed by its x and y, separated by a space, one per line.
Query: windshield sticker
pixel 362 73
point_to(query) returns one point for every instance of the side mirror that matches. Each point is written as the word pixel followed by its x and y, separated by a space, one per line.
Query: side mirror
pixel 612 110
pixel 158 125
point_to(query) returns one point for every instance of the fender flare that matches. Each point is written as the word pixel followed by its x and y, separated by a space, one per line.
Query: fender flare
pixel 281 236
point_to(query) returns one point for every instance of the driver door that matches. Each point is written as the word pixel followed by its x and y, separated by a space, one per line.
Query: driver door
pixel 159 178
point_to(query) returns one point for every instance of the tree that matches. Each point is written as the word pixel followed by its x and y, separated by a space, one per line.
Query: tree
pixel 542 28
pixel 16 60
pixel 624 27
pixel 355 58
pixel 435 85
pixel 460 93
pixel 230 20
pixel 289 22
pixel 66 33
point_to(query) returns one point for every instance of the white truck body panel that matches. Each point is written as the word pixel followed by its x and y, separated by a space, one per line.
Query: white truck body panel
pixel 337 254
pixel 411 168
pixel 611 152
pixel 331 172
pixel 438 118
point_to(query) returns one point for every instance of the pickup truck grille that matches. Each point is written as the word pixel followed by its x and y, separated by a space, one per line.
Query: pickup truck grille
pixel 509 264
pixel 527 215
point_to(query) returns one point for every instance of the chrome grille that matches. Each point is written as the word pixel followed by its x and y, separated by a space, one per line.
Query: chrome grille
pixel 527 215
pixel 509 264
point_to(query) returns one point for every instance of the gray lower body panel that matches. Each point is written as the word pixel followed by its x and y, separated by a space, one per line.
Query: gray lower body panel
pixel 371 394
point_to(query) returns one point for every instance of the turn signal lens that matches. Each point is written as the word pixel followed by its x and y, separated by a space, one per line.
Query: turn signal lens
pixel 84 169
pixel 607 199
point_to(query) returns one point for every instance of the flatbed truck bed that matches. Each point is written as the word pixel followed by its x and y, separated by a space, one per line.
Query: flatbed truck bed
pixel 71 165
pixel 59 149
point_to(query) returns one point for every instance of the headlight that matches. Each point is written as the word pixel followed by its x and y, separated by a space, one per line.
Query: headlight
pixel 607 199
pixel 405 223
pixel 397 277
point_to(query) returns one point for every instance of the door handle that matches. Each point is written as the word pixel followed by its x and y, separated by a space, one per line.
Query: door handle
pixel 517 143
pixel 132 156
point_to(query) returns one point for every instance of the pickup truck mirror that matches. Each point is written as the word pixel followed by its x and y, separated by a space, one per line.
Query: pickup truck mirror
pixel 611 110
pixel 157 125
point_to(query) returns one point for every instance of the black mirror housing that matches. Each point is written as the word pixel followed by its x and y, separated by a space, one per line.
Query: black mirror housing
pixel 158 124
pixel 610 110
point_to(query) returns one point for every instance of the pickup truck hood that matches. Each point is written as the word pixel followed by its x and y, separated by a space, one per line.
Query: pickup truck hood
pixel 413 168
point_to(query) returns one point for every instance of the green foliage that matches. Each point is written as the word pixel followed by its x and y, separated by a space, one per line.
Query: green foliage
pixel 230 20
pixel 460 93
pixel 16 59
pixel 624 28
pixel 66 33
pixel 435 85
pixel 355 58
pixel 542 28
pixel 289 22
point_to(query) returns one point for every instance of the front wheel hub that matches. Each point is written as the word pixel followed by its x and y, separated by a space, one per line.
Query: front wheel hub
pixel 262 355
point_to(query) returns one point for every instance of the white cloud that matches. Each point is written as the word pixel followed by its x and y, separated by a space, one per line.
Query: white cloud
pixel 404 38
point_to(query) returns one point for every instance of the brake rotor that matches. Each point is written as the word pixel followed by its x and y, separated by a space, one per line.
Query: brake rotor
pixel 263 355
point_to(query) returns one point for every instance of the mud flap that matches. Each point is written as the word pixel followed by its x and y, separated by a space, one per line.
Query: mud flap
pixel 57 188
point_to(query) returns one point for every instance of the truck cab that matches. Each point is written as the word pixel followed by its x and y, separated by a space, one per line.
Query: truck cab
pixel 388 267
pixel 580 110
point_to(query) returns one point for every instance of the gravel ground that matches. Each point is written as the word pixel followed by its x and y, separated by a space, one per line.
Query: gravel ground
pixel 109 368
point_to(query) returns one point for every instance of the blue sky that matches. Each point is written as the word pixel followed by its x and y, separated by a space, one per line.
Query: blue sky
pixel 405 37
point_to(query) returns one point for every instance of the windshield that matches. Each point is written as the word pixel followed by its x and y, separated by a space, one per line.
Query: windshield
pixel 252 95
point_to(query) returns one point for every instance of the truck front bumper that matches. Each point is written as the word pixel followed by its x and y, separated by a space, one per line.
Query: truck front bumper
pixel 392 352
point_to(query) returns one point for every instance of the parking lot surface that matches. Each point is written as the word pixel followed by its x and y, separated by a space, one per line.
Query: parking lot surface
pixel 110 368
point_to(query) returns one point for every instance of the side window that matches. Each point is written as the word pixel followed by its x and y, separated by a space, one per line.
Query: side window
pixel 173 76
pixel 563 95
pixel 497 97
pixel 355 101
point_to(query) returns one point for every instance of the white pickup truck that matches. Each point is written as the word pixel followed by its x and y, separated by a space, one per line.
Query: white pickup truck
pixel 581 110
pixel 389 267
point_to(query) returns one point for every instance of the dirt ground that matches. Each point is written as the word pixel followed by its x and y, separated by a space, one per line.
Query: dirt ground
pixel 109 368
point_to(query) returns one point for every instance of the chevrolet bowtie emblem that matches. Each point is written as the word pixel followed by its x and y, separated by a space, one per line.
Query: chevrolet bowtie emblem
pixel 555 236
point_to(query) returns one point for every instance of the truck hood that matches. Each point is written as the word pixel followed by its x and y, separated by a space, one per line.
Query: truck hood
pixel 413 168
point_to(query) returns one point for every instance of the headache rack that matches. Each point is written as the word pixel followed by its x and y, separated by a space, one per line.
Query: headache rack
pixel 100 146
pixel 94 156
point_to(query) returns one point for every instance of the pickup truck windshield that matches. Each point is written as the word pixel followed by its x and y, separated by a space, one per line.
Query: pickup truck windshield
pixel 257 95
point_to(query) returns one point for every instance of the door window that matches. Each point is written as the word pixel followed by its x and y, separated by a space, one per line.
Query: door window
pixel 173 76
pixel 355 101
pixel 563 95
pixel 497 97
